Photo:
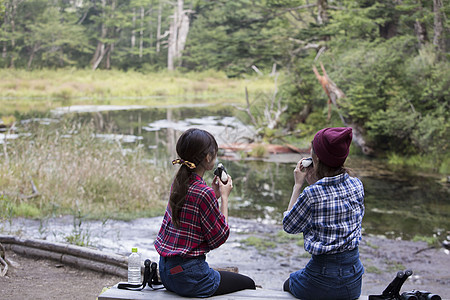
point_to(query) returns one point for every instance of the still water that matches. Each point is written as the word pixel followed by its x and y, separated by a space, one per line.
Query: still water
pixel 400 203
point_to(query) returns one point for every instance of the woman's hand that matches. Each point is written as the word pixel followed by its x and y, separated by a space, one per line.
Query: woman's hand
pixel 215 186
pixel 300 173
pixel 225 189
pixel 221 189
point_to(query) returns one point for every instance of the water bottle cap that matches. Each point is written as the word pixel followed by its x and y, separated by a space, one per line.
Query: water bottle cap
pixel 133 250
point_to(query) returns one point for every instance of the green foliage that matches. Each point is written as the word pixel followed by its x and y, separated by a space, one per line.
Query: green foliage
pixel 79 235
pixel 234 35
pixel 6 208
pixel 26 210
pixel 259 243
pixel 432 241
pixel 259 151
pixel 372 269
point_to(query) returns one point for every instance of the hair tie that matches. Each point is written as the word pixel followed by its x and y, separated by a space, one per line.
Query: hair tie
pixel 183 162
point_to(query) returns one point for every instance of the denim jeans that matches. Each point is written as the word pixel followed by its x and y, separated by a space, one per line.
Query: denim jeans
pixel 188 277
pixel 332 276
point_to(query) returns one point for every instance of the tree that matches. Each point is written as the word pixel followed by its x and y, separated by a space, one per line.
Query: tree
pixel 10 34
pixel 234 35
pixel 178 32
pixel 439 34
pixel 51 38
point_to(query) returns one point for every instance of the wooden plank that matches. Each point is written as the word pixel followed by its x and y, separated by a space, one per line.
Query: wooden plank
pixel 114 293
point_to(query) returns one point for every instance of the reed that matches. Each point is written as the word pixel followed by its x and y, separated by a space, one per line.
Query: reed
pixel 73 171
pixel 45 89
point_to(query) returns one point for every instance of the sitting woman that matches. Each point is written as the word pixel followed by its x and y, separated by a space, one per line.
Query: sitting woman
pixel 193 224
pixel 329 212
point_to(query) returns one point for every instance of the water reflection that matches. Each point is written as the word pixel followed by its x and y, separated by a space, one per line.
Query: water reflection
pixel 399 203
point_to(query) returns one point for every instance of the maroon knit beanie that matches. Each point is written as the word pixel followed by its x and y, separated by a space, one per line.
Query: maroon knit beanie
pixel 332 145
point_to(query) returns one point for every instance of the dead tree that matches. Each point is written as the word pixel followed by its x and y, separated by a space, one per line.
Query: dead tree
pixel 334 95
pixel 178 32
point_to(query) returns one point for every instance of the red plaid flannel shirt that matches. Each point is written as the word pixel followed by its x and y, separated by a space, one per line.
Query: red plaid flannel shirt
pixel 202 226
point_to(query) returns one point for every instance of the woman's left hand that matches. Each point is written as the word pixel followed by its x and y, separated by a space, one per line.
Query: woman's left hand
pixel 215 186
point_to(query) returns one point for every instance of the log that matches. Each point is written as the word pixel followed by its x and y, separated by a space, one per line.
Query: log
pixel 114 259
pixel 70 254
pixel 76 256
pixel 271 148
pixel 75 261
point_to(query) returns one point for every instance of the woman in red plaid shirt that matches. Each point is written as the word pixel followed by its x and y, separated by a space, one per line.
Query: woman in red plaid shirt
pixel 194 224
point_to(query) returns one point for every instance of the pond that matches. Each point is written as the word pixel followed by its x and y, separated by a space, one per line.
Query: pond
pixel 400 203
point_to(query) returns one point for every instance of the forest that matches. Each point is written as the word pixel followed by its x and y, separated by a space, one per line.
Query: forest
pixel 381 67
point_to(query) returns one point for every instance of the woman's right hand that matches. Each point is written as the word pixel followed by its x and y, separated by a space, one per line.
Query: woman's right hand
pixel 299 175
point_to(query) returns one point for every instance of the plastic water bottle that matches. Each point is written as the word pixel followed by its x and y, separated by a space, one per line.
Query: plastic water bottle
pixel 134 267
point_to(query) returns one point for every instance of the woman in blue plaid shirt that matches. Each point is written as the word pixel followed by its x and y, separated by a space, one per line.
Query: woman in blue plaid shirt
pixel 329 212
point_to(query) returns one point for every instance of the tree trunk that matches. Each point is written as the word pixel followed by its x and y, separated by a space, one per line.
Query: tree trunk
pixel 133 33
pixel 334 95
pixel 104 51
pixel 178 32
pixel 108 57
pixel 5 20
pixel 33 52
pixel 100 50
pixel 141 34
pixel 13 29
pixel 158 29
pixel 182 36
pixel 421 32
pixel 438 39
pixel 173 33
pixel 322 13
pixel 150 42
pixel 388 30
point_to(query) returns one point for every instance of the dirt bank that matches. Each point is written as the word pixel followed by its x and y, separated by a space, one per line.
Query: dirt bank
pixel 40 279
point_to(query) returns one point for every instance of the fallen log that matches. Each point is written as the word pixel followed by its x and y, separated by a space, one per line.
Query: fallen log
pixel 271 148
pixel 72 260
pixel 76 256
pixel 69 254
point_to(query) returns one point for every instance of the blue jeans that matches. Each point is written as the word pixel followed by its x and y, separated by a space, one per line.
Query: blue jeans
pixel 188 277
pixel 332 276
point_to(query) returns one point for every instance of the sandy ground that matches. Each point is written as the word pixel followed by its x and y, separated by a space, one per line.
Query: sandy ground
pixel 268 258
pixel 40 279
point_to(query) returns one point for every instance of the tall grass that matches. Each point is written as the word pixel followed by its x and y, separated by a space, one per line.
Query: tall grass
pixel 45 89
pixel 74 172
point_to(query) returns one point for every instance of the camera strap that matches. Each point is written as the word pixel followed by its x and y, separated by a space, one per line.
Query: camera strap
pixel 150 278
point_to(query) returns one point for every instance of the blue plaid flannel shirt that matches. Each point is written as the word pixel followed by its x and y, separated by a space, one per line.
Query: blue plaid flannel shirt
pixel 329 213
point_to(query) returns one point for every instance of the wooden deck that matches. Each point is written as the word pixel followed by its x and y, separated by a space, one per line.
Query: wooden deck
pixel 114 293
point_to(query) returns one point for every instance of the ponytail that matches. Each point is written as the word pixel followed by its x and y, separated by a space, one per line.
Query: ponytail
pixel 192 147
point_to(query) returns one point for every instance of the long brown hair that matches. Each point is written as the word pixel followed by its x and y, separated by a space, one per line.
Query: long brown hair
pixel 193 146
pixel 323 170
